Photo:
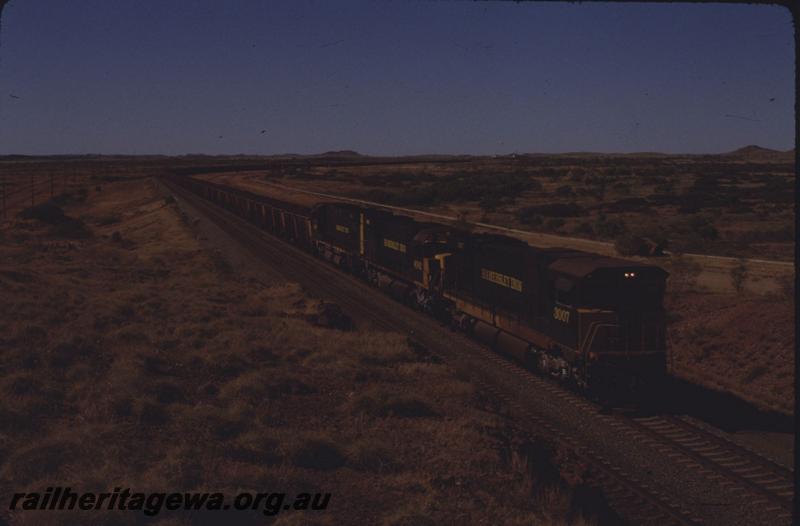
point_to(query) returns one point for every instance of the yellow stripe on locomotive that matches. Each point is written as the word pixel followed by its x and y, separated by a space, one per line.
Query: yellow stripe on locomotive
pixel 501 279
pixel 394 245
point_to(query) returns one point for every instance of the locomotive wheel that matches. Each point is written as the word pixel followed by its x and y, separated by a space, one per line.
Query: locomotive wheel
pixel 541 363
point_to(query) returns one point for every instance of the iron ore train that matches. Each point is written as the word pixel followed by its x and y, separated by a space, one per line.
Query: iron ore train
pixel 596 322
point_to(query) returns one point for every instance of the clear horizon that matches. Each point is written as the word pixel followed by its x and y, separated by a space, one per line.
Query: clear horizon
pixel 389 79
pixel 424 154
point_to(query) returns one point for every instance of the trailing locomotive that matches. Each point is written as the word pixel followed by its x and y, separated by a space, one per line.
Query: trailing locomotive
pixel 595 321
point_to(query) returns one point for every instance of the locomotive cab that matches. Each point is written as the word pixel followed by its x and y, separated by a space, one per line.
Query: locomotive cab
pixel 619 321
pixel 435 247
pixel 636 295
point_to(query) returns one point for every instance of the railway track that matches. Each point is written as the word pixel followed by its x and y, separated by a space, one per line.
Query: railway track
pixel 769 483
pixel 640 501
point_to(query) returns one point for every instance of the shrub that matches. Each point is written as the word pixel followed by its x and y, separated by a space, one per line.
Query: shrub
pixel 630 244
pixel 554 224
pixel 565 191
pixel 457 187
pixel 526 214
pixel 628 204
pixel 420 196
pixel 122 407
pixel 40 460
pixel 664 199
pixel 691 242
pixel 331 316
pixel 381 403
pixel 227 428
pixel 45 212
pixel 23 386
pixel 535 185
pixel 71 229
pixel 221 264
pixel 754 372
pixel 70 197
pixel 318 453
pixel 168 393
pixel 532 220
pixel 740 208
pixel 739 275
pixel 657 233
pixel 664 188
pixel 609 229
pixel 691 204
pixel 578 177
pixel 490 202
pixel 287 386
pixel 786 287
pixel 623 188
pixel 684 273
pixel 152 414
pixel 782 234
pixel 584 228
pixel 255 449
pixel 645 240
pixel 368 456
pixel 65 354
pixel 703 227
pixel 110 219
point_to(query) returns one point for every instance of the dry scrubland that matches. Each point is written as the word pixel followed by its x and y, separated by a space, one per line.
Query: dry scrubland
pixel 737 343
pixel 733 205
pixel 133 357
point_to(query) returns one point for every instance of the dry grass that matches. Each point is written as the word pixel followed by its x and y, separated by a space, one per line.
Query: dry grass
pixel 140 359
pixel 740 344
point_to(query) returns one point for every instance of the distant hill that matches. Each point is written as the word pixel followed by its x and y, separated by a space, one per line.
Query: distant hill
pixel 339 153
pixel 758 153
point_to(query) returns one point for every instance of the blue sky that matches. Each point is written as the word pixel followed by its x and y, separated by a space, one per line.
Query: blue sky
pixel 392 78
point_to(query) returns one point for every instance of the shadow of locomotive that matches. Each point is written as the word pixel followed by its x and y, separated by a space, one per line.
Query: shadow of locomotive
pixel 722 410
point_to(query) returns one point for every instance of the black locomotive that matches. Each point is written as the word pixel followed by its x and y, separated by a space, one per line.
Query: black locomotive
pixel 592 320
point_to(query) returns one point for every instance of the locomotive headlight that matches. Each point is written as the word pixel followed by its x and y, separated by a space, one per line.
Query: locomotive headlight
pixel 630 274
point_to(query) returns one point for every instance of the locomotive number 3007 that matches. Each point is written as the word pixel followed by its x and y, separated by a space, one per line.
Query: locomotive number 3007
pixel 561 314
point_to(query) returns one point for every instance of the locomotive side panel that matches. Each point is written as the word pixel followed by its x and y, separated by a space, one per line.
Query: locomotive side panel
pixel 338 225
pixel 389 241
pixel 498 272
